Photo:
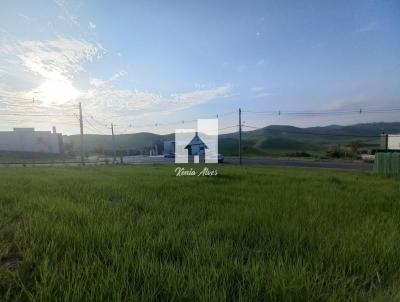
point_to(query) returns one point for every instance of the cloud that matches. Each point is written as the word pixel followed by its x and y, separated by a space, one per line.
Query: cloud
pixel 368 27
pixel 125 101
pixel 260 92
pixel 263 94
pixel 96 82
pixel 57 62
pixel 62 4
pixel 53 59
pixel 198 97
pixel 117 75
pixel 346 103
pixel 257 89
pixel 92 25
pixel 25 17
pixel 262 62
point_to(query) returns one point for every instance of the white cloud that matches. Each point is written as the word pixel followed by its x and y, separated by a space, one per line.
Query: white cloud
pixel 56 91
pixel 262 62
pixel 96 82
pixel 62 4
pixel 108 99
pixel 367 27
pixel 257 89
pixel 60 58
pixel 117 75
pixel 57 62
pixel 260 92
pixel 263 94
pixel 25 17
pixel 52 67
pixel 198 97
pixel 346 103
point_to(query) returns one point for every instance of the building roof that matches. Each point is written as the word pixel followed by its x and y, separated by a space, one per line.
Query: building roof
pixel 196 140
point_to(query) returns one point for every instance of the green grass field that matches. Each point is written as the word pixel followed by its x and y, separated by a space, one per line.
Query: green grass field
pixel 139 233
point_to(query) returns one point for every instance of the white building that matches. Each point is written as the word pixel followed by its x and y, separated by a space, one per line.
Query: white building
pixel 393 142
pixel 390 141
pixel 30 141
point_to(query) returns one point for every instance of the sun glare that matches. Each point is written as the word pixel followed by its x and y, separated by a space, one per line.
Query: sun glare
pixel 56 92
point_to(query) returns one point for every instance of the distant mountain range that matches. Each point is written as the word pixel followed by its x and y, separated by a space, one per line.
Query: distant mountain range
pixel 271 140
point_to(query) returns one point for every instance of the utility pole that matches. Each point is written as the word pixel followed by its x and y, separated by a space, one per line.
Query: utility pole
pixel 113 142
pixel 81 128
pixel 240 136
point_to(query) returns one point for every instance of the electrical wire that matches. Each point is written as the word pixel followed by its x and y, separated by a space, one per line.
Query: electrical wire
pixel 324 113
pixel 31 100
pixel 95 123
pixel 33 115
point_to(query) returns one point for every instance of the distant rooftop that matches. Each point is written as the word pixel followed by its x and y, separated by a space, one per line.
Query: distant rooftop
pixel 24 129
pixel 30 130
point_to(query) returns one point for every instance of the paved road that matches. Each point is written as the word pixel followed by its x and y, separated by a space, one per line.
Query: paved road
pixel 91 161
pixel 361 166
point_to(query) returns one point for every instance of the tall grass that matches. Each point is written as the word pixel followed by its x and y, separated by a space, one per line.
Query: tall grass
pixel 139 233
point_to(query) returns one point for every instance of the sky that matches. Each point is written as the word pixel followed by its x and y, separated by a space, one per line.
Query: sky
pixel 157 65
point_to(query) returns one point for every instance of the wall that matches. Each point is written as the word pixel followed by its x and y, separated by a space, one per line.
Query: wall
pixel 29 140
pixel 393 142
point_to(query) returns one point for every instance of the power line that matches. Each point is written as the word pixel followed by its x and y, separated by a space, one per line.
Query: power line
pixel 323 113
pixel 35 106
pixel 30 100
pixel 36 122
pixel 93 127
pixel 229 127
pixel 94 121
pixel 39 115
pixel 290 113
pixel 157 124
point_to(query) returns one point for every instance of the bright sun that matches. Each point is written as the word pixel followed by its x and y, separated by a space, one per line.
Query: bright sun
pixel 56 92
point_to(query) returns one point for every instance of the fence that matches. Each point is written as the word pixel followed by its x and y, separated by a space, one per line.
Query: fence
pixel 387 163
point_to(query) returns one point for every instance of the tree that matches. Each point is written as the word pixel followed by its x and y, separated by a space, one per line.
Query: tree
pixel 355 146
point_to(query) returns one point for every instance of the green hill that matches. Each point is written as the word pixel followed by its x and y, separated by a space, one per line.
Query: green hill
pixel 271 140
pixel 284 140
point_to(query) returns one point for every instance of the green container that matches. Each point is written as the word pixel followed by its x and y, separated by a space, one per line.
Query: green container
pixel 387 163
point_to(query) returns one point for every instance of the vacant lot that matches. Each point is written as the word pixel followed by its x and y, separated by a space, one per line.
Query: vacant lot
pixel 139 233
